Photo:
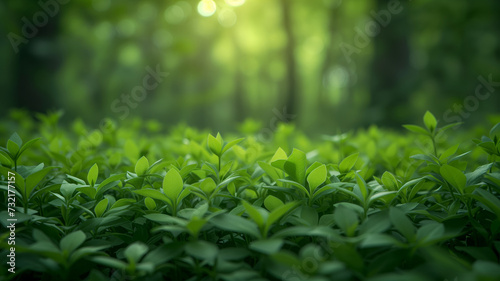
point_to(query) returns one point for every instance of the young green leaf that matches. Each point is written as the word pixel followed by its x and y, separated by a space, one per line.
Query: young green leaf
pixel 454 176
pixel 310 215
pixel 153 193
pixel 195 225
pixel 312 167
pixel 254 213
pixel 489 200
pixel 280 154
pixel 271 171
pixel 108 183
pixel 101 207
pixel 16 139
pixel 202 250
pixel 495 133
pixel 296 184
pixel 235 223
pixel 5 158
pixel 67 189
pixel 430 233
pixel 279 212
pixel 430 121
pixel 416 129
pixel 150 203
pixel 296 165
pixel 348 163
pixel 390 181
pixel 215 145
pixel 231 187
pixel 363 187
pixel 268 247
pixel 72 241
pixel 165 219
pixel 141 166
pixel 13 148
pixel 208 186
pixel 346 219
pixel 172 185
pixel 442 130
pixel 110 262
pixel 27 145
pixel 402 223
pixel 219 138
pixel 92 175
pixel 122 202
pixel 448 152
pixel 135 252
pixel 231 144
pixel 34 179
pixel 271 202
pixel 316 178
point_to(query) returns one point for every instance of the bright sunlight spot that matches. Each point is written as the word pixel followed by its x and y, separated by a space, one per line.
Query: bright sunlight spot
pixel 207 8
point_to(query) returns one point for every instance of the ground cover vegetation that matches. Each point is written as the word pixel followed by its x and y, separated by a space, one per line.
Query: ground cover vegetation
pixel 131 203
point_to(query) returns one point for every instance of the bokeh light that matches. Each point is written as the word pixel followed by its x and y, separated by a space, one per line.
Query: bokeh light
pixel 174 14
pixel 238 53
pixel 147 12
pixel 126 27
pixel 162 38
pixel 129 54
pixel 227 17
pixel 337 77
pixel 207 8
pixel 104 31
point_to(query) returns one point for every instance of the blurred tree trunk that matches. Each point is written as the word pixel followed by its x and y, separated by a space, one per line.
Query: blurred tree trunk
pixel 239 89
pixel 36 61
pixel 291 81
pixel 202 65
pixel 322 102
pixel 28 89
pixel 330 112
pixel 389 80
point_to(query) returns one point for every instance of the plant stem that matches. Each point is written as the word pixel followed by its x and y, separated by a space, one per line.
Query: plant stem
pixel 434 146
pixel 451 191
pixel 219 167
pixel 469 211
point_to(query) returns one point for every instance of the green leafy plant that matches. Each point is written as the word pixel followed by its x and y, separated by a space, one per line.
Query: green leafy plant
pixel 431 129
pixel 366 205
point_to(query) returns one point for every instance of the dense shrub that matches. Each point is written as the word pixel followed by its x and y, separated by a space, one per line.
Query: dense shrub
pixel 134 204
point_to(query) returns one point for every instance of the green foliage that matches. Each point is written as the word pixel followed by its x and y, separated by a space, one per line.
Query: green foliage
pixel 92 176
pixel 203 211
pixel 141 166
